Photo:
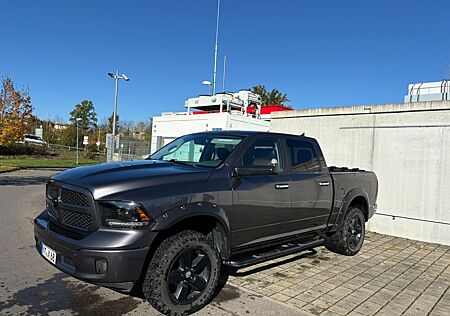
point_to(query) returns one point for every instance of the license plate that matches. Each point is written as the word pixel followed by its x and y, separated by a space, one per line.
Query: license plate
pixel 48 253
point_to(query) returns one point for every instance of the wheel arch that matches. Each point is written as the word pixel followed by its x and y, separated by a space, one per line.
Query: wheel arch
pixel 360 201
pixel 355 197
pixel 207 218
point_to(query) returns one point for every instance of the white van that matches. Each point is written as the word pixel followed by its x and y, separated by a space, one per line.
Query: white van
pixel 35 140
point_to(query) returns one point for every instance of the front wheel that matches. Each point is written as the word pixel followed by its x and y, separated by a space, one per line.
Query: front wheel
pixel 183 274
pixel 349 237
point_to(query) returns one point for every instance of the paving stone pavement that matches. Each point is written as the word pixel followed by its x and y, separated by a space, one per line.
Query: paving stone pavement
pixel 390 276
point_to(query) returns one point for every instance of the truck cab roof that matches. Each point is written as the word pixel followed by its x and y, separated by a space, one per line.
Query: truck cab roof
pixel 244 133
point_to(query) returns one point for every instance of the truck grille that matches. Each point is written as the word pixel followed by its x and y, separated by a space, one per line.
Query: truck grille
pixel 77 219
pixel 52 210
pixel 70 207
pixel 74 198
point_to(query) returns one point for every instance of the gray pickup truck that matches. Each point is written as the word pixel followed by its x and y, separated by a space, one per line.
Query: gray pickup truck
pixel 169 223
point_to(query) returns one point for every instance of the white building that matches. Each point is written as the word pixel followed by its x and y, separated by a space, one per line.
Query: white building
pixel 222 111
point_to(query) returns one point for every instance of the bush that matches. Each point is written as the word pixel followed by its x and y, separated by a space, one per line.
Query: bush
pixel 94 155
pixel 22 149
pixel 90 155
pixel 69 137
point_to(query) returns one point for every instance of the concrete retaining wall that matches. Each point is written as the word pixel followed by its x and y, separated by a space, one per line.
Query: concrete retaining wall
pixel 408 147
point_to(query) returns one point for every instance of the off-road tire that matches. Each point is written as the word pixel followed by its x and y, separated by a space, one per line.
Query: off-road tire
pixel 155 286
pixel 340 241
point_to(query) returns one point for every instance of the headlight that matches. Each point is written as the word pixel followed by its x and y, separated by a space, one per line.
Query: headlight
pixel 123 214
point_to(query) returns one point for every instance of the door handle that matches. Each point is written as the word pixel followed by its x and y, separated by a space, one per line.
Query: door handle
pixel 324 183
pixel 281 186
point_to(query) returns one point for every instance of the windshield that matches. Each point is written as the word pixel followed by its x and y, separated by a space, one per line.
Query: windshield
pixel 198 150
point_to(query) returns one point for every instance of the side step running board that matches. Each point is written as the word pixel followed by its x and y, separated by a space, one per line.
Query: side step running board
pixel 281 251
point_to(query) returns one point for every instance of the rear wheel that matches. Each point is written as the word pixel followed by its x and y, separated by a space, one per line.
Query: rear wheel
pixel 183 274
pixel 349 237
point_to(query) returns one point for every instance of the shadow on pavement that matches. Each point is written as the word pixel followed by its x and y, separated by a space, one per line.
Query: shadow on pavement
pixel 226 292
pixel 59 294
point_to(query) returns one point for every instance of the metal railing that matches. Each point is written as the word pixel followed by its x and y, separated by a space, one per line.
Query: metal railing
pixel 126 157
pixel 64 147
pixel 119 155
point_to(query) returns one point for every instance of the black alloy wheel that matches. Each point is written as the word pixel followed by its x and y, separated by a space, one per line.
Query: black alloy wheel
pixel 354 233
pixel 349 237
pixel 189 275
pixel 183 273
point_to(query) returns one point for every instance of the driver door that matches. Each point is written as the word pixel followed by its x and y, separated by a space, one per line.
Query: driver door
pixel 261 203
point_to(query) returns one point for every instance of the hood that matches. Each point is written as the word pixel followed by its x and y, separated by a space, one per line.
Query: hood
pixel 108 179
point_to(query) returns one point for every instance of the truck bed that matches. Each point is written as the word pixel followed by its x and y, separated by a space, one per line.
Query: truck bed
pixel 346 180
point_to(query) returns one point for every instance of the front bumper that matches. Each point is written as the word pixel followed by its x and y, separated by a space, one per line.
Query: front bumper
pixel 125 252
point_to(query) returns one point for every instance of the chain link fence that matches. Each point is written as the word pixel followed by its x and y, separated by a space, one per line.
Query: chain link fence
pixel 129 148
pixel 132 148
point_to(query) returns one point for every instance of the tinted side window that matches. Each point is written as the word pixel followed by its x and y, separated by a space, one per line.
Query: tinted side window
pixel 303 156
pixel 264 152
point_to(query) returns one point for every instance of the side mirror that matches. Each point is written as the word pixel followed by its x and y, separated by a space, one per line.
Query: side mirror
pixel 253 171
pixel 274 162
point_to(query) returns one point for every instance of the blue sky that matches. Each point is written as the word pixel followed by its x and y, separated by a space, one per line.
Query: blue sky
pixel 321 53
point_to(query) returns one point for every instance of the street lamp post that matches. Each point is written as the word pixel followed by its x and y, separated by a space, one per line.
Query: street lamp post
pixel 77 120
pixel 116 77
pixel 207 83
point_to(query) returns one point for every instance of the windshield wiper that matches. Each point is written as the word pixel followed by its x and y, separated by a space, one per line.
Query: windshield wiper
pixel 181 162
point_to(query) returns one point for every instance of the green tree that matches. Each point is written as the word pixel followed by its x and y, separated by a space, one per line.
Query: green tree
pixel 110 122
pixel 270 97
pixel 49 133
pixel 86 111
pixel 69 136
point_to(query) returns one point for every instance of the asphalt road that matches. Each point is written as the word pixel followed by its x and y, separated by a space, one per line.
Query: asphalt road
pixel 31 286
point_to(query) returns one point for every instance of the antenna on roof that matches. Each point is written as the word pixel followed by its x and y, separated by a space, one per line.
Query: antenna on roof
pixel 224 72
pixel 303 134
pixel 215 47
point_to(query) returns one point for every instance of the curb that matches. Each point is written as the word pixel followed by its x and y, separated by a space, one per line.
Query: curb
pixel 35 168
pixel 12 170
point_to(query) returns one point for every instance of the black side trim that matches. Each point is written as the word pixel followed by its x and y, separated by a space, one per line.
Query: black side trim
pixel 281 251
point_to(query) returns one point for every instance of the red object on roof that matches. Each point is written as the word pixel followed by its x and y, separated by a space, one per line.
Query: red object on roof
pixel 204 112
pixel 267 109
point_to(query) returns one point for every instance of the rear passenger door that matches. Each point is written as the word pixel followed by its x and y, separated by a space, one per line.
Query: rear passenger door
pixel 311 187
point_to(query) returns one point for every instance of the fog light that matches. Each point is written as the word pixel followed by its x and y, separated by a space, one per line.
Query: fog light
pixel 101 265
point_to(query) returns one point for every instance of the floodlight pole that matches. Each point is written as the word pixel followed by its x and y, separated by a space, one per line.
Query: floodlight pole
pixel 116 77
pixel 77 120
pixel 207 83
